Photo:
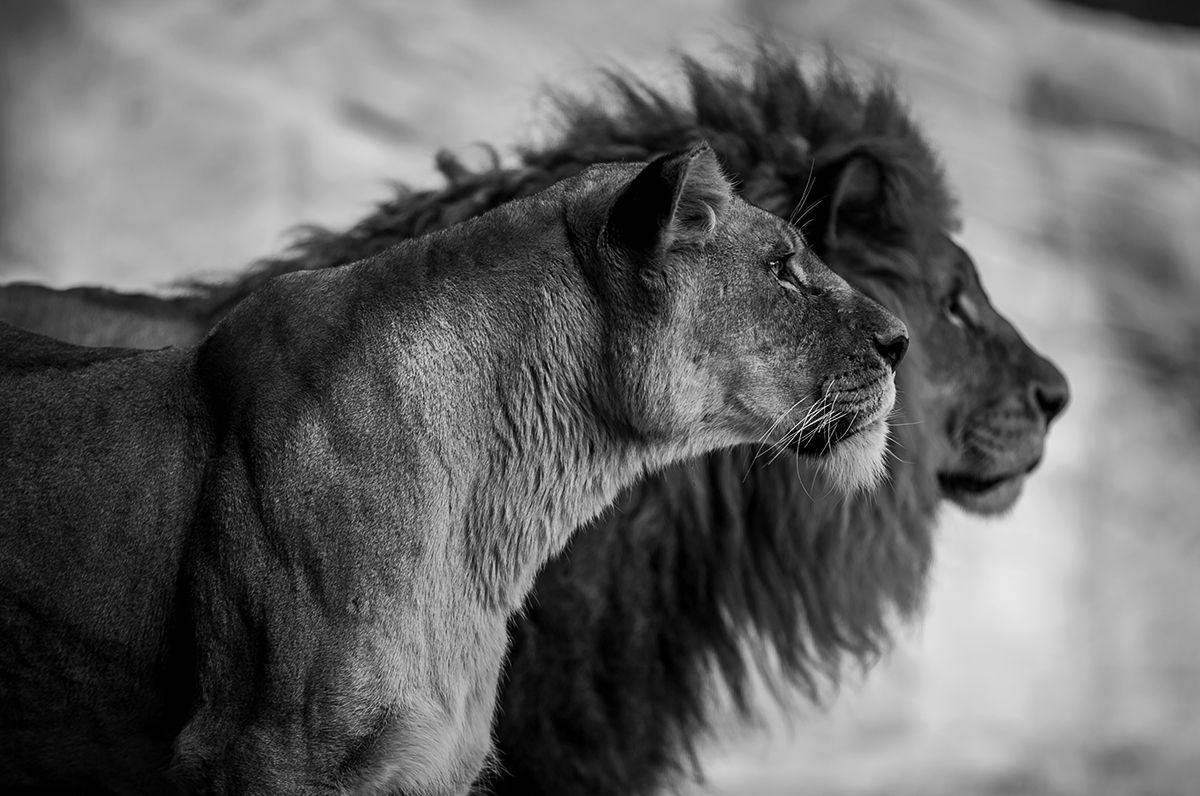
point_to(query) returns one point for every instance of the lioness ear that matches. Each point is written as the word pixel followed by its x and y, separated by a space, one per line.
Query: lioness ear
pixel 856 196
pixel 676 199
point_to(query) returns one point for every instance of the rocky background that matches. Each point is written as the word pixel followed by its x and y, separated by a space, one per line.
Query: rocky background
pixel 143 141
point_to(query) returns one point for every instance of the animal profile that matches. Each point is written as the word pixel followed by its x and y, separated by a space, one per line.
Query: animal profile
pixel 663 598
pixel 293 549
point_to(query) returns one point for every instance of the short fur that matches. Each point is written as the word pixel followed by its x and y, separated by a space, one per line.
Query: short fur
pixel 629 630
pixel 294 548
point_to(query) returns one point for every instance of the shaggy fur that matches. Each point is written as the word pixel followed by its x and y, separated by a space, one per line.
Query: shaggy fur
pixel 699 573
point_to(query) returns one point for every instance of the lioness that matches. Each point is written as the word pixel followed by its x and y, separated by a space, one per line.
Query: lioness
pixel 282 561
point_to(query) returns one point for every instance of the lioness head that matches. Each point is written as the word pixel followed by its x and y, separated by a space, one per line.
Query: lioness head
pixel 733 330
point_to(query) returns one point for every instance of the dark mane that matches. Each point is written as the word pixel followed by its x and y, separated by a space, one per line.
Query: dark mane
pixel 694 572
pixel 773 127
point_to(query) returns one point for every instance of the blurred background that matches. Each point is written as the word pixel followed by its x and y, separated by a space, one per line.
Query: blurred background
pixel 143 141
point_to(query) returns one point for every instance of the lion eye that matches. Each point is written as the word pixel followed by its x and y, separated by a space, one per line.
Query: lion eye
pixel 961 310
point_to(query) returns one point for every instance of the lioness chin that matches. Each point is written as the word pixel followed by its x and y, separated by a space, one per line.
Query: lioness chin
pixel 293 549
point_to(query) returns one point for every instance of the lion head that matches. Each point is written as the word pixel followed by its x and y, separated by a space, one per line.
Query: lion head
pixel 988 397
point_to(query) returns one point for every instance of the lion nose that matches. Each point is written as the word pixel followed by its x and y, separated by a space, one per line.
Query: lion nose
pixel 1051 393
pixel 892 345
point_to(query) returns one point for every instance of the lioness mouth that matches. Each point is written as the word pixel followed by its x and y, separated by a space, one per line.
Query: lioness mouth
pixel 826 441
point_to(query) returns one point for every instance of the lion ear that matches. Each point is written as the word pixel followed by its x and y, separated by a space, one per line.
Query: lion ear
pixel 676 199
pixel 855 198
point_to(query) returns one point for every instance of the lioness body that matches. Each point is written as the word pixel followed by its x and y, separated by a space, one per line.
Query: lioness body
pixel 295 567
pixel 298 493
pixel 305 464
pixel 303 538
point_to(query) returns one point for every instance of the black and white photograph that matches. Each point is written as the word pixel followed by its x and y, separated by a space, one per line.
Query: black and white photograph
pixel 626 398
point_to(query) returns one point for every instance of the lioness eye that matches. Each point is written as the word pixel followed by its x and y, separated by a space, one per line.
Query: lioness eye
pixel 786 271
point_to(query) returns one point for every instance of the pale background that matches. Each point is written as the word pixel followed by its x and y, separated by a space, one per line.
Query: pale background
pixel 142 141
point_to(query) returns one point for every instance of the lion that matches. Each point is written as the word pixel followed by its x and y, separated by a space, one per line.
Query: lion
pixel 294 547
pixel 630 629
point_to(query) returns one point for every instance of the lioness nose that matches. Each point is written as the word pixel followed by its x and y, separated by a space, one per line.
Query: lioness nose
pixel 892 345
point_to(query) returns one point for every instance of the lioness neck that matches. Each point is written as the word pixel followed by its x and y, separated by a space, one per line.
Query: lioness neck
pixel 492 360
pixel 510 386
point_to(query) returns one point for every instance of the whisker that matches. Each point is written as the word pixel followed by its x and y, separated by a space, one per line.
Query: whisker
pixel 811 207
pixel 893 442
pixel 808 186
pixel 800 479
pixel 779 419
pixel 762 445
pixel 797 431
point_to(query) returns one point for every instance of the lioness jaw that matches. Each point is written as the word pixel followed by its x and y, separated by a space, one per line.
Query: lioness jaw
pixel 859 461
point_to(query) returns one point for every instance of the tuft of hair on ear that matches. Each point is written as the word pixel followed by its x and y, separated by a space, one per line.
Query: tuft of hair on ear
pixel 704 196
